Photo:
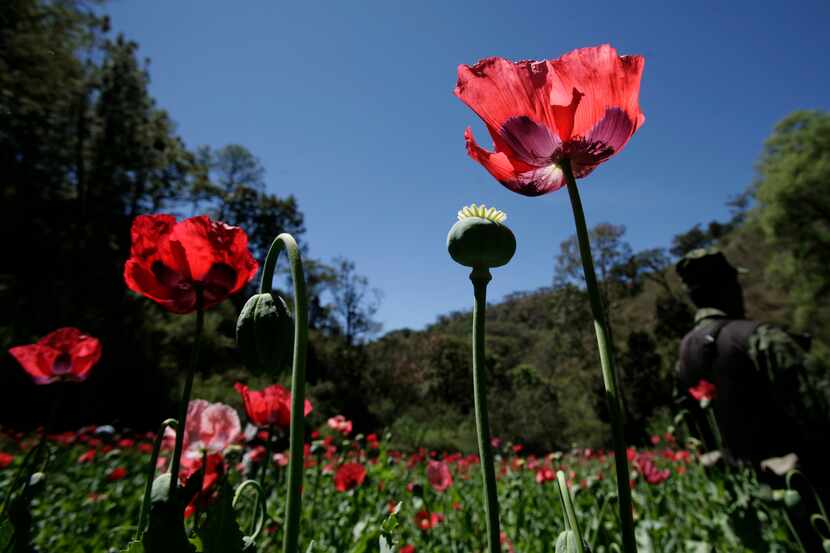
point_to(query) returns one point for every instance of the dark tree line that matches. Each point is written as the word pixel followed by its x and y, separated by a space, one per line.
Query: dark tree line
pixel 84 148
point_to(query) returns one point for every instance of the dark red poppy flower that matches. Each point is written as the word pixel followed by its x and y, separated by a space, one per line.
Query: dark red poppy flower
pixel 583 107
pixel 170 259
pixel 426 521
pixel 118 473
pixel 348 476
pixel 214 469
pixel 6 459
pixel 439 475
pixel 704 391
pixel 65 354
pixel 269 407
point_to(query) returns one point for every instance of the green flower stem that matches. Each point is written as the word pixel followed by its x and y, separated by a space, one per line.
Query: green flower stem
pixel 151 473
pixel 606 355
pixel 188 386
pixel 713 424
pixel 480 278
pixel 293 506
pixel 570 514
pixel 266 462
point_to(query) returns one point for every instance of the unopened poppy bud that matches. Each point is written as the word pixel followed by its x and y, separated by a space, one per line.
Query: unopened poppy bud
pixel 265 333
pixel 791 498
pixel 480 239
pixel 826 545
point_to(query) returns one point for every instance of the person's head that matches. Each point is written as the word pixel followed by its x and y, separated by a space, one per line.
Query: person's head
pixel 711 281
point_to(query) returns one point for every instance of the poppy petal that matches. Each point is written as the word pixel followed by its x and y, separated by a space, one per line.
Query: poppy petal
pixel 604 80
pixel 532 143
pixel 37 360
pixel 513 173
pixel 498 89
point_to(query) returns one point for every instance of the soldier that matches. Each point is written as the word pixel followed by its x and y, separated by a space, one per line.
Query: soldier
pixel 759 392
pixel 755 367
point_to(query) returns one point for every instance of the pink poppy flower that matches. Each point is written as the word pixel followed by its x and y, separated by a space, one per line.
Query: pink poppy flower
pixel 583 107
pixel 439 475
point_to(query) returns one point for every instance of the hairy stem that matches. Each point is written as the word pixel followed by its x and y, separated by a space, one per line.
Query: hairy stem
pixel 606 356
pixel 480 278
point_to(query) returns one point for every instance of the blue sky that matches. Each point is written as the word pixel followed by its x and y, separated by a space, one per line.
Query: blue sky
pixel 349 106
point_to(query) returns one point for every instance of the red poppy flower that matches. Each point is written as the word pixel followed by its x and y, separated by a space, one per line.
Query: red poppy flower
pixel 439 475
pixel 348 476
pixel 65 354
pixel 408 548
pixel 426 521
pixel 583 107
pixel 269 407
pixel 170 259
pixel 704 391
pixel 118 473
pixel 6 459
pixel 214 470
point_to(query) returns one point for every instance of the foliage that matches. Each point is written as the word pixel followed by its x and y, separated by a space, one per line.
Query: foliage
pixel 87 505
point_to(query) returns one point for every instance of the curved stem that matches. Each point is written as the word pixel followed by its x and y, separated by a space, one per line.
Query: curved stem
pixel 295 461
pixel 258 519
pixel 188 386
pixel 480 278
pixel 606 356
pixel 151 473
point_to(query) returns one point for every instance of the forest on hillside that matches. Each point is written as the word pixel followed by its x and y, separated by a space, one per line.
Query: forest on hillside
pixel 84 148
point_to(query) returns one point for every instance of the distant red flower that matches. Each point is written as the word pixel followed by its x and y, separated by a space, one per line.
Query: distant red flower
pixel 655 439
pixel 118 473
pixel 372 441
pixel 348 476
pixel 170 259
pixel 87 457
pixel 426 521
pixel 583 107
pixel 704 391
pixel 64 354
pixel 214 469
pixel 145 448
pixel 340 424
pixel 545 475
pixel 269 407
pixel 439 475
pixel 6 459
pixel 408 548
pixel 126 443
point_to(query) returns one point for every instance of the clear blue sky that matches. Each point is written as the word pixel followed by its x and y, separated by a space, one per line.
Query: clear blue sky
pixel 349 105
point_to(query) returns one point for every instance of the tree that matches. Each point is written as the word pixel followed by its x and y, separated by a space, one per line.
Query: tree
pixel 793 193
pixel 618 276
pixel 354 304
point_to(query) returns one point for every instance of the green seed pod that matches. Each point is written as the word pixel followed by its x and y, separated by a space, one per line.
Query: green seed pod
pixel 791 498
pixel 826 545
pixel 265 333
pixel 480 239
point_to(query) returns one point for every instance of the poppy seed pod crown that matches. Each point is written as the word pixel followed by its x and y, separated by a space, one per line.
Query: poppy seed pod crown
pixel 265 333
pixel 480 239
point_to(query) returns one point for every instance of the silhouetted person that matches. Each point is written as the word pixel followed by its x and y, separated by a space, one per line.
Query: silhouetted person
pixel 757 372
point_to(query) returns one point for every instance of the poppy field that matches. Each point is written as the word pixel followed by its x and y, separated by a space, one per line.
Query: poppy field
pixel 357 489
pixel 202 476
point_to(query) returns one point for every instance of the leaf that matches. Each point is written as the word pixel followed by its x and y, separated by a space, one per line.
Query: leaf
pixel 566 542
pixel 220 533
pixel 384 545
pixel 166 533
pixel 134 546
